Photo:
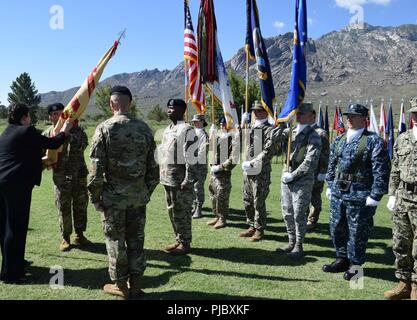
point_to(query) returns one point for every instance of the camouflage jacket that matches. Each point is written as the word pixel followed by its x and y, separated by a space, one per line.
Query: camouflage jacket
pixel 227 151
pixel 124 172
pixel 373 167
pixel 203 147
pixel 71 161
pixel 176 155
pixel 260 149
pixel 325 150
pixel 305 151
pixel 404 166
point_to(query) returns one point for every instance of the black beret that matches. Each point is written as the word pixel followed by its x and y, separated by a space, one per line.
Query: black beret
pixel 122 91
pixel 357 109
pixel 177 103
pixel 55 107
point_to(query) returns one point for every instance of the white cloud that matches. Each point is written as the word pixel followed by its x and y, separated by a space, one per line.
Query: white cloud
pixel 348 4
pixel 279 25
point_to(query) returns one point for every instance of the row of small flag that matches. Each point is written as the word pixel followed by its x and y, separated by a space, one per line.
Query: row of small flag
pixel 385 128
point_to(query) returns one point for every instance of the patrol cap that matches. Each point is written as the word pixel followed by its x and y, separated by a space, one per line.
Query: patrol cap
pixel 222 120
pixel 357 109
pixel 122 91
pixel 198 118
pixel 413 103
pixel 177 103
pixel 55 107
pixel 257 106
pixel 306 107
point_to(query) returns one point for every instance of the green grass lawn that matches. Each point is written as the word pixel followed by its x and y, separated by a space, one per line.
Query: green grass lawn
pixel 221 266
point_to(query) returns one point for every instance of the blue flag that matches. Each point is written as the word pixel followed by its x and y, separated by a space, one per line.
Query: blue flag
pixel 256 49
pixel 320 119
pixel 326 121
pixel 389 133
pixel 299 68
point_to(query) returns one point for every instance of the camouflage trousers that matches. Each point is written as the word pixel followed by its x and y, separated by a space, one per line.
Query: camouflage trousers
pixel 124 231
pixel 179 205
pixel 405 240
pixel 199 192
pixel 71 199
pixel 295 201
pixel 255 192
pixel 219 190
pixel 316 203
pixel 350 225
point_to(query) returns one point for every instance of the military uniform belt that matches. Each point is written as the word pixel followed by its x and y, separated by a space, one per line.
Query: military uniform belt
pixel 352 178
pixel 409 187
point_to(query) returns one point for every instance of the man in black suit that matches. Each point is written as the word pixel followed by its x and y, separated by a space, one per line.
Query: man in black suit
pixel 21 149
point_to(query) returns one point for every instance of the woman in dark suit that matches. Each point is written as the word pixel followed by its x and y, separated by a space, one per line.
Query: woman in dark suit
pixel 21 149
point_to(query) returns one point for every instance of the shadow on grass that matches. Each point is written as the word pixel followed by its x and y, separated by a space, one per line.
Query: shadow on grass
pixel 97 248
pixel 381 273
pixel 251 256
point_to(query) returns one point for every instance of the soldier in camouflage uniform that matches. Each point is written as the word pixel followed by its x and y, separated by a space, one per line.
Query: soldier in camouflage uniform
pixel 123 177
pixel 257 173
pixel 225 160
pixel 316 202
pixel 202 152
pixel 298 180
pixel 403 204
pixel 70 181
pixel 179 172
pixel 358 177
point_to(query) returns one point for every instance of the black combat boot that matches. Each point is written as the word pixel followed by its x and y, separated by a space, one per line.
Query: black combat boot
pixel 340 265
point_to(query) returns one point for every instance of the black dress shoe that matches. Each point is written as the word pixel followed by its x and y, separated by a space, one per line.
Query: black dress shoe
pixel 27 263
pixel 340 265
pixel 352 272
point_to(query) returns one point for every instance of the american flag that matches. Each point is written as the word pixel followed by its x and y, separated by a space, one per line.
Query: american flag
pixel 192 72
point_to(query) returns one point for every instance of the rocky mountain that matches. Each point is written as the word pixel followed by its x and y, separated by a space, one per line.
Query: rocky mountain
pixel 350 64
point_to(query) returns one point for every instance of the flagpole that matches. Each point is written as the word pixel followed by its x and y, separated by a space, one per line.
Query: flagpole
pixel 289 147
pixel 245 126
pixel 186 89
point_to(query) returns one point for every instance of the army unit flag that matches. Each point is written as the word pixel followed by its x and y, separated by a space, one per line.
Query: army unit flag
pixel 373 124
pixel 299 69
pixel 194 86
pixel 256 50
pixel 389 133
pixel 78 104
pixel 402 126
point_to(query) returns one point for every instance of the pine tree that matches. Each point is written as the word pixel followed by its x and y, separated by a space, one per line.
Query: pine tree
pixel 24 91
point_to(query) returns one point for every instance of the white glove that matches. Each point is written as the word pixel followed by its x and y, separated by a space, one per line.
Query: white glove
pixel 371 202
pixel 287 178
pixel 321 177
pixel 245 118
pixel 215 169
pixel 329 194
pixel 246 166
pixel 391 203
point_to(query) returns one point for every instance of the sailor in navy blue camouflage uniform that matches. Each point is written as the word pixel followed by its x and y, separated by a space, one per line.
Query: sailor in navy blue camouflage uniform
pixel 358 178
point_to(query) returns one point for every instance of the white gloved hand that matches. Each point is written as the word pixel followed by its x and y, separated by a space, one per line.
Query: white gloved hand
pixel 321 177
pixel 245 118
pixel 329 194
pixel 246 166
pixel 371 202
pixel 215 169
pixel 391 203
pixel 287 178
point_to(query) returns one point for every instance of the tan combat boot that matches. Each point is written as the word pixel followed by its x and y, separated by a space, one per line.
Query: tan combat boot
pixel 65 245
pixel 221 223
pixel 248 233
pixel 171 247
pixel 413 295
pixel 213 222
pixel 81 240
pixel 402 291
pixel 119 289
pixel 134 285
pixel 182 250
pixel 258 236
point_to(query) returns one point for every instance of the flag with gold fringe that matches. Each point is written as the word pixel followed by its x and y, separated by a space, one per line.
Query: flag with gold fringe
pixel 78 104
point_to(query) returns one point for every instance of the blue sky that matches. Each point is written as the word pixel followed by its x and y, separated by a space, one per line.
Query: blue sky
pixel 60 59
